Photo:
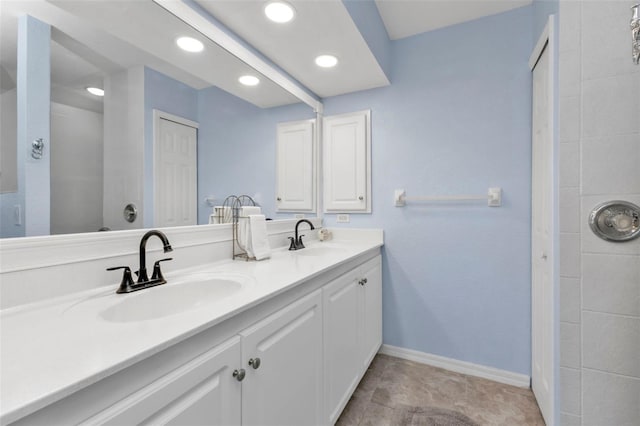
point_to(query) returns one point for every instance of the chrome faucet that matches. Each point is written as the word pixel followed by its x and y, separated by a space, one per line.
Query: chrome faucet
pixel 127 285
pixel 296 242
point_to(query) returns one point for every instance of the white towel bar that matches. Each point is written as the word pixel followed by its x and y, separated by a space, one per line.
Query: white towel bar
pixel 493 197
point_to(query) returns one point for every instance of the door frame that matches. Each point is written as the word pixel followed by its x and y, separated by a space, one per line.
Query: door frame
pixel 157 116
pixel 548 41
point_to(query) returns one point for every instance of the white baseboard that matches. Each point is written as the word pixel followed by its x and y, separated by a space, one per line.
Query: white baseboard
pixel 495 374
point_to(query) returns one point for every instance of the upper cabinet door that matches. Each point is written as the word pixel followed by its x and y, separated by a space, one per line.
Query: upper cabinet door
pixel 295 189
pixel 347 162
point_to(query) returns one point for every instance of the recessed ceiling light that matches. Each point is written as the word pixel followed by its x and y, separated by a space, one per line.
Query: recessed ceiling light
pixel 249 80
pixel 190 44
pixel 279 11
pixel 95 91
pixel 326 61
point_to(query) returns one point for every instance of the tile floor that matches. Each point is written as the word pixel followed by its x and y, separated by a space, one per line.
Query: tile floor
pixel 398 392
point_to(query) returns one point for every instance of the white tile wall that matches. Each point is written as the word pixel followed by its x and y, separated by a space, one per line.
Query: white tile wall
pixel 610 106
pixel 569 164
pixel 570 420
pixel 611 343
pixel 569 210
pixel 611 283
pixel 602 300
pixel 569 255
pixel 570 401
pixel 570 300
pixel 601 40
pixel 610 399
pixel 570 118
pixel 570 25
pixel 569 345
pixel 611 164
pixel 569 79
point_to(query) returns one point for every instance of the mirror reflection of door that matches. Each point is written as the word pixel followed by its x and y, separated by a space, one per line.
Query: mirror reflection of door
pixel 175 171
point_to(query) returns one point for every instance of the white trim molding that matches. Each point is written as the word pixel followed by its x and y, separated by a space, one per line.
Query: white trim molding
pixel 548 41
pixel 477 370
pixel 224 40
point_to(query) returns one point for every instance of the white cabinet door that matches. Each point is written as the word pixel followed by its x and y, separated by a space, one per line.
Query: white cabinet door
pixel 371 308
pixel 286 388
pixel 342 342
pixel 347 162
pixel 202 391
pixel 295 188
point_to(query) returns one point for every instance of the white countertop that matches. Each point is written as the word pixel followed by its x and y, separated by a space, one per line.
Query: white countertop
pixel 54 348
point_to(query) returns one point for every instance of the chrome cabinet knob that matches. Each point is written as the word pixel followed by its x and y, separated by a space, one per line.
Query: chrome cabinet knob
pixel 255 363
pixel 239 374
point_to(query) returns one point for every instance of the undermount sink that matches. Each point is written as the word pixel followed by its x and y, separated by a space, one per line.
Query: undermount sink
pixel 319 250
pixel 193 292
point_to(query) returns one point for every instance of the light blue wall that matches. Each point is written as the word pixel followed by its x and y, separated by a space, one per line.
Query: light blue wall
pixel 237 149
pixel 456 120
pixel 236 141
pixel 33 103
pixel 168 95
pixel 541 11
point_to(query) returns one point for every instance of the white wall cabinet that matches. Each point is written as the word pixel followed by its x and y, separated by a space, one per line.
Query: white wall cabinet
pixel 346 145
pixel 296 167
pixel 352 330
pixel 297 364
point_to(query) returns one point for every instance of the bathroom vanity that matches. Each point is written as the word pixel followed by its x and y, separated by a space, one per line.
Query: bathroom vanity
pixel 281 341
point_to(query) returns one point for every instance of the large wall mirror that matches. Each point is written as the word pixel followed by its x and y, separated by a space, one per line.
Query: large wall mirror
pixel 101 151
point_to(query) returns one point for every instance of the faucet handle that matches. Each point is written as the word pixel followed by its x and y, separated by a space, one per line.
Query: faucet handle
pixel 299 242
pixel 127 280
pixel 157 273
pixel 292 246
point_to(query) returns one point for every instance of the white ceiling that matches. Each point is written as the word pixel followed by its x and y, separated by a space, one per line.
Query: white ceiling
pixel 404 18
pixel 113 35
pixel 319 27
pixel 118 34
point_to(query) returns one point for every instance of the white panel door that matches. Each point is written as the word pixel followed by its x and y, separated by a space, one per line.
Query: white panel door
pixel 295 189
pixel 542 299
pixel 371 308
pixel 286 388
pixel 175 183
pixel 342 343
pixel 347 162
pixel 202 391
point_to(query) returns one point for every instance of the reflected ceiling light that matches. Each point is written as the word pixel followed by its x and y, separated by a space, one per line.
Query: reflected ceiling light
pixel 249 80
pixel 279 11
pixel 326 61
pixel 190 44
pixel 95 91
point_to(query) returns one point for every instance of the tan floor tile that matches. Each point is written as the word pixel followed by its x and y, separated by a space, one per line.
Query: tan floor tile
pixel 399 392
